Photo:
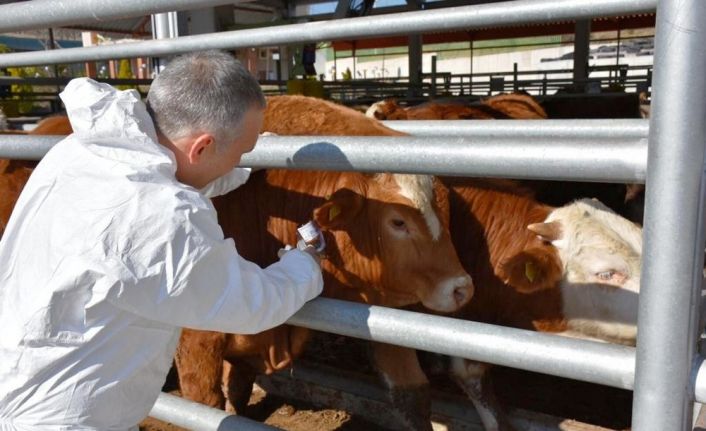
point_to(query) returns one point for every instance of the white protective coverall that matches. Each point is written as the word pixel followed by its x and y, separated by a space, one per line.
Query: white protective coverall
pixel 105 258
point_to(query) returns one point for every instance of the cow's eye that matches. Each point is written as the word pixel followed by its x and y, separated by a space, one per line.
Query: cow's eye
pixel 605 275
pixel 397 223
pixel 612 276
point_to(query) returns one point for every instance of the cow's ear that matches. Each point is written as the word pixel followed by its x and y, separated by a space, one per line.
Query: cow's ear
pixel 339 209
pixel 532 269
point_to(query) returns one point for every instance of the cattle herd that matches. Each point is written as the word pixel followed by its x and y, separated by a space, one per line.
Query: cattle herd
pixel 497 251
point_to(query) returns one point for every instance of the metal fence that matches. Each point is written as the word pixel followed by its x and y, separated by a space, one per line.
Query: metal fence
pixel 367 91
pixel 665 370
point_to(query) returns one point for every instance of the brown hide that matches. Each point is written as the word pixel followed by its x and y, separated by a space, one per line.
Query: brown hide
pixel 353 269
pixel 517 106
pixel 281 200
pixel 13 176
pixel 300 115
pixel 505 106
pixel 625 199
pixel 56 125
pixel 489 221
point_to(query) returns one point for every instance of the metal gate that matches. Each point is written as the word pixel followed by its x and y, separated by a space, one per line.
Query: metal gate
pixel 665 371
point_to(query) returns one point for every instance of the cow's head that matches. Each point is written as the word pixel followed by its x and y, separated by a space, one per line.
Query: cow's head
pixel 386 110
pixel 393 243
pixel 600 254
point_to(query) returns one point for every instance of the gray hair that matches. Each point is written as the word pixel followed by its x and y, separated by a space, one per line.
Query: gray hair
pixel 203 92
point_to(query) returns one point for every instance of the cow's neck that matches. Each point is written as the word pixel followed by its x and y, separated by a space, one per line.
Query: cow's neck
pixel 495 219
pixel 488 224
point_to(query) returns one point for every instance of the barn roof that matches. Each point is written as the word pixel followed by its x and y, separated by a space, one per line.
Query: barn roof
pixel 322 9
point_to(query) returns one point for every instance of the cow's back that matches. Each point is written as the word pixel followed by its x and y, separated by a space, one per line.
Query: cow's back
pixel 300 115
pixel 517 106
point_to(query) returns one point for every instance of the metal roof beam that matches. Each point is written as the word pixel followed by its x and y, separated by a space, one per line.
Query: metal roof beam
pixel 450 19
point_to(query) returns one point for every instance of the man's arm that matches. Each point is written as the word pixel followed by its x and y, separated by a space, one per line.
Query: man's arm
pixel 206 285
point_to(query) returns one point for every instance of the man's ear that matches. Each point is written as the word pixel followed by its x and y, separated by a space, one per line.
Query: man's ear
pixel 531 270
pixel 339 209
pixel 198 146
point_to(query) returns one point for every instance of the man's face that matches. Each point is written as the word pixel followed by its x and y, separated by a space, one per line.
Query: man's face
pixel 219 162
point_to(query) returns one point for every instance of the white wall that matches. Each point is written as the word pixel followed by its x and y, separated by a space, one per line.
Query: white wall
pixel 503 62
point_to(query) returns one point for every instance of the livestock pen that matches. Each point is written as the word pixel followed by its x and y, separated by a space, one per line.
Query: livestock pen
pixel 666 371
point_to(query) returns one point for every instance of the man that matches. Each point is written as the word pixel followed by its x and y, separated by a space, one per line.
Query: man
pixel 112 248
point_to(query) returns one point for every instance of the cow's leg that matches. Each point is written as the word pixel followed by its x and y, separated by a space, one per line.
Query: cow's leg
pixel 407 384
pixel 239 377
pixel 199 362
pixel 225 384
pixel 473 377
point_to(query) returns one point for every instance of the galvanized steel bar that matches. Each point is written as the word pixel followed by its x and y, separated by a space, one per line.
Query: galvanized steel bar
pixel 438 20
pixel 191 415
pixel 567 129
pixel 25 147
pixel 673 250
pixel 607 364
pixel 598 159
pixel 590 361
pixel 27 15
pixel 561 159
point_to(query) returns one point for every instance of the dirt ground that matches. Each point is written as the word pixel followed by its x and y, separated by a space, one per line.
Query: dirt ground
pixel 584 402
pixel 288 415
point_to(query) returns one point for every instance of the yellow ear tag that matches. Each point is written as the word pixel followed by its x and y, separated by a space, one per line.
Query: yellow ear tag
pixel 333 212
pixel 530 271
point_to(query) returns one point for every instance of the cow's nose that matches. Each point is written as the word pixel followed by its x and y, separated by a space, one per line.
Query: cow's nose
pixel 463 291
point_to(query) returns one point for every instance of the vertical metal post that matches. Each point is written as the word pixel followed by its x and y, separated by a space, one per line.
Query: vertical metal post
pixel 582 39
pixel 470 78
pixel 415 64
pixel 515 86
pixel 55 103
pixel 164 26
pixel 617 52
pixel 544 85
pixel 335 64
pixel 354 75
pixel 674 233
pixel 433 77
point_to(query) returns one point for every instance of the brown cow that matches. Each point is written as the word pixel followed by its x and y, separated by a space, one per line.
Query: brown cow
pixel 535 282
pixel 626 199
pixel 388 245
pixel 573 271
pixel 318 117
pixel 504 106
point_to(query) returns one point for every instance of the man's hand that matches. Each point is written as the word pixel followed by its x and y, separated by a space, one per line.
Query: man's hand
pixel 311 251
pixel 308 249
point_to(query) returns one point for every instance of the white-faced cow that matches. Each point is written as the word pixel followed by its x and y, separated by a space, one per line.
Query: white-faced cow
pixel 572 271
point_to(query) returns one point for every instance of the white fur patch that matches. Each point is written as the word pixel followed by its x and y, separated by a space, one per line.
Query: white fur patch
pixel 370 112
pixel 596 241
pixel 420 190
